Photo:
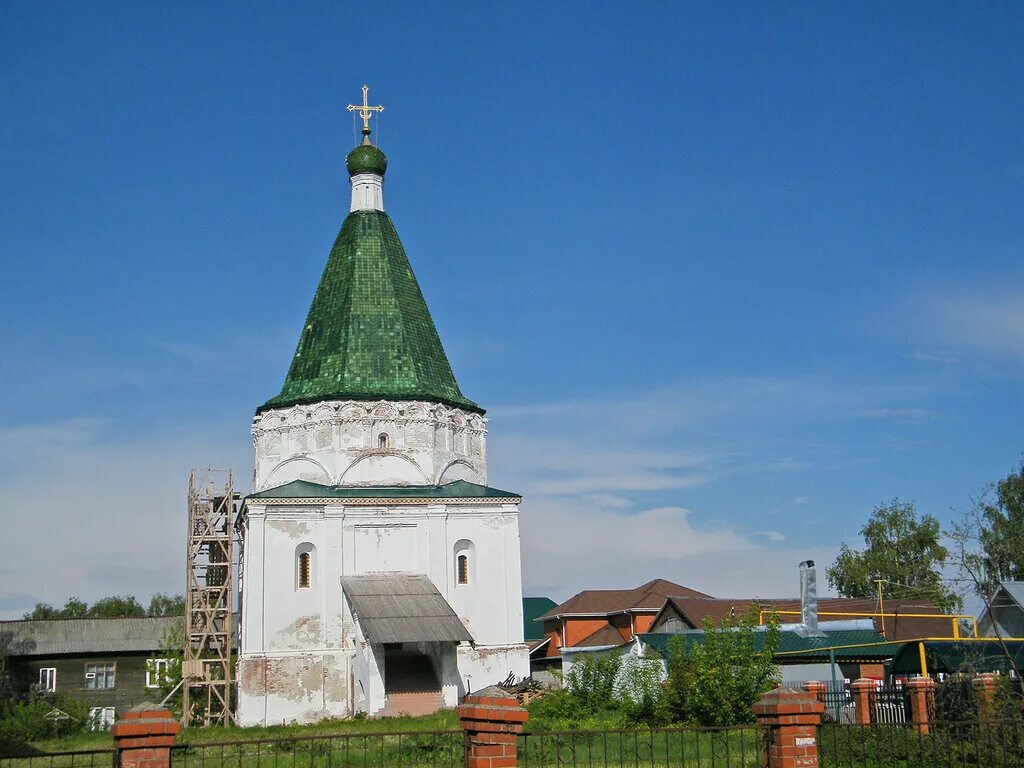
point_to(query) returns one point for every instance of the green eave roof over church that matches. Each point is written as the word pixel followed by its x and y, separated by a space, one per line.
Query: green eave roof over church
pixel 369 334
pixel 458 489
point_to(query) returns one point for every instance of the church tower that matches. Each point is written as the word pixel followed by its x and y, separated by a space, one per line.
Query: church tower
pixel 379 572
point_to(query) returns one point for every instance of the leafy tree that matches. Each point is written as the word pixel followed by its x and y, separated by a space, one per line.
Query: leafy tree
pixel 900 548
pixel 116 606
pixel 166 605
pixel 716 682
pixel 1002 532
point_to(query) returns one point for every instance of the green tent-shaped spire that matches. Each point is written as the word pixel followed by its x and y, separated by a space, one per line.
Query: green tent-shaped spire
pixel 369 334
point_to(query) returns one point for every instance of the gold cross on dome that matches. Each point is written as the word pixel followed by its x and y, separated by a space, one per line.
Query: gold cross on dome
pixel 365 110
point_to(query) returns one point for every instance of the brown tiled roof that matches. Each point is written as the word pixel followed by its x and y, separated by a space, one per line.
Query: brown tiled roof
pixel 647 597
pixel 606 635
pixel 696 610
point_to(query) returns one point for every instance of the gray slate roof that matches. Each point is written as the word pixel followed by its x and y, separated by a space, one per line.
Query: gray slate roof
pixel 71 636
pixel 402 608
pixel 457 489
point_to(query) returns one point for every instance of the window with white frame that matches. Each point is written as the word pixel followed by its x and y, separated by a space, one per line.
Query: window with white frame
pixel 99 676
pixel 464 563
pixel 48 679
pixel 156 672
pixel 101 718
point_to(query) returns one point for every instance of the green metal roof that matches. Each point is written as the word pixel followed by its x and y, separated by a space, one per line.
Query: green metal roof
pixel 965 655
pixel 369 334
pixel 458 489
pixel 534 608
pixel 793 645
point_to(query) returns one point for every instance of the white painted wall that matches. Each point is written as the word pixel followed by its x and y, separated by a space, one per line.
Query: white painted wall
pixel 337 443
pixel 367 192
pixel 303 633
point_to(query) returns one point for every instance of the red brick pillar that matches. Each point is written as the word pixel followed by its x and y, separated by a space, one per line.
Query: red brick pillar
pixel 985 695
pixel 144 738
pixel 922 692
pixel 492 719
pixel 792 719
pixel 862 688
pixel 816 688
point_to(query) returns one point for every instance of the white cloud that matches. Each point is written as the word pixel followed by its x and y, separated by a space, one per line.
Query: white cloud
pixel 988 321
pixel 801 499
pixel 107 516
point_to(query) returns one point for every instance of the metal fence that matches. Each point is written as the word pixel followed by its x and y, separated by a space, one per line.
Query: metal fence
pixel 26 757
pixel 889 705
pixel 736 747
pixel 996 744
pixel 839 704
pixel 410 749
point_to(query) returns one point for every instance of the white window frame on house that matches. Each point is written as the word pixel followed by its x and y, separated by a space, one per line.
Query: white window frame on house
pixel 48 679
pixel 101 718
pixel 156 672
pixel 97 671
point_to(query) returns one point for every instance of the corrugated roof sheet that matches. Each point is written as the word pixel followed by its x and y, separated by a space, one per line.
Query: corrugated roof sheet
pixel 796 646
pixel 402 608
pixel 74 636
pixel 1015 589
pixel 460 489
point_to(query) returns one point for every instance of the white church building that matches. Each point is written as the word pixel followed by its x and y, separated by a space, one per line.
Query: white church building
pixel 379 572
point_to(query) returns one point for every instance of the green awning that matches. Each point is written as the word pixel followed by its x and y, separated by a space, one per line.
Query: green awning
pixel 958 656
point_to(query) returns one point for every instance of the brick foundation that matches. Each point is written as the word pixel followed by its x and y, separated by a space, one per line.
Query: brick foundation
pixel 144 738
pixel 492 720
pixel 791 719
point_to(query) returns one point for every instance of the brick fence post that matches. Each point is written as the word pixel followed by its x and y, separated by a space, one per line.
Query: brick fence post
pixel 862 688
pixel 144 737
pixel 816 688
pixel 985 696
pixel 492 720
pixel 791 719
pixel 922 693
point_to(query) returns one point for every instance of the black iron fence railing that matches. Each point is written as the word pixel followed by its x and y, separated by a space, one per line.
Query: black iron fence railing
pixel 735 747
pixel 27 757
pixel 411 749
pixel 973 744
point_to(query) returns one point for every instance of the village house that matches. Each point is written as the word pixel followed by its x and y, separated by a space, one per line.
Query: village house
pixel 605 618
pixel 112 664
pixel 1004 616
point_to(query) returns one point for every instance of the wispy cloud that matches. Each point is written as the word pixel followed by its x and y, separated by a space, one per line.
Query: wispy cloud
pixel 988 321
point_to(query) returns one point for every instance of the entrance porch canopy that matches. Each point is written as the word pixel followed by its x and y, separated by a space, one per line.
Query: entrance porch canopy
pixel 394 607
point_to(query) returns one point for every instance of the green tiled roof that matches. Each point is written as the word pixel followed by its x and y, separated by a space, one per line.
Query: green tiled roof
pixel 369 334
pixel 458 489
pixel 534 608
pixel 792 645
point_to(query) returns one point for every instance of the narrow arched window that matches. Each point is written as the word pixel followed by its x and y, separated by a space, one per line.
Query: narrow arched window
pixel 382 441
pixel 465 566
pixel 305 570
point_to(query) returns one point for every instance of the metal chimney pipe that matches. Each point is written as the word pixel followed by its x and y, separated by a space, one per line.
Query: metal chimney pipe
pixel 809 600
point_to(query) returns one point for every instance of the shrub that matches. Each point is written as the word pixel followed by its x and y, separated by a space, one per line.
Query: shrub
pixel 717 681
pixel 27 720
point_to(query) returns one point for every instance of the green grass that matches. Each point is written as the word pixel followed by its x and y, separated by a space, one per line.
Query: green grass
pixel 444 720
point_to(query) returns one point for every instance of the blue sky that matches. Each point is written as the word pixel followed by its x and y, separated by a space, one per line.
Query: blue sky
pixel 726 277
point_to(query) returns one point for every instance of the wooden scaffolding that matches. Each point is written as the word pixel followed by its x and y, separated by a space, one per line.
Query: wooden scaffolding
pixel 207 695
